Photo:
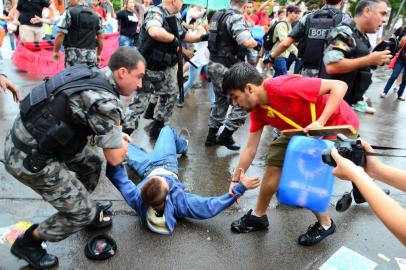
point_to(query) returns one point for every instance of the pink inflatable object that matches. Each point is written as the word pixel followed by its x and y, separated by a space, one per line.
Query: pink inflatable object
pixel 36 58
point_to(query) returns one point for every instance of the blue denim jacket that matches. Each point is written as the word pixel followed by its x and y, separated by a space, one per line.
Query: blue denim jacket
pixel 179 204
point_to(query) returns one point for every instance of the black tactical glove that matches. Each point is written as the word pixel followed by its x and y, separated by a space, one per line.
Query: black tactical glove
pixel 175 42
pixel 204 37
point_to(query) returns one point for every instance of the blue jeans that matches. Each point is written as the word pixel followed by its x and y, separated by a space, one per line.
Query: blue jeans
pixel 164 155
pixel 125 41
pixel 400 64
pixel 193 75
pixel 280 66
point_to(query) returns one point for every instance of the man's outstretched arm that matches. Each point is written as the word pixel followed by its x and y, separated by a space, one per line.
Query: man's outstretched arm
pixel 119 177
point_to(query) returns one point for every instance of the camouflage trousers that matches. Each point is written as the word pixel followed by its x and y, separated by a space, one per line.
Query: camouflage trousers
pixel 159 87
pixel 75 56
pixel 65 186
pixel 218 115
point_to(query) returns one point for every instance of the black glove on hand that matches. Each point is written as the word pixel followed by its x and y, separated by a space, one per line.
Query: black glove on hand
pixel 175 42
pixel 204 37
pixel 258 47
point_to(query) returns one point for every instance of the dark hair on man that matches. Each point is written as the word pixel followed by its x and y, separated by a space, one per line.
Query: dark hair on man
pixel 292 9
pixel 126 57
pixel 367 3
pixel 239 3
pixel 280 11
pixel 153 192
pixel 239 75
pixel 333 2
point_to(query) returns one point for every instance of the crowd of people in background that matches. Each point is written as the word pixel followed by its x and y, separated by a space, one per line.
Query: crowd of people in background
pixel 245 53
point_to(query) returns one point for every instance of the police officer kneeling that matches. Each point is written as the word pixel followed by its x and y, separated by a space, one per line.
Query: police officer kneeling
pixel 47 149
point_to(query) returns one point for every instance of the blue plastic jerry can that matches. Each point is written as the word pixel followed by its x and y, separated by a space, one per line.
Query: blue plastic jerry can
pixel 306 180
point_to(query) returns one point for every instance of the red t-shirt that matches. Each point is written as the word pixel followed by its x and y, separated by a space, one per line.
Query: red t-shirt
pixel 291 95
pixel 261 18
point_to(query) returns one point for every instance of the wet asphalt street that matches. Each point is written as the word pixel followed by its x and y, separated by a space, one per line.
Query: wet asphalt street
pixel 210 244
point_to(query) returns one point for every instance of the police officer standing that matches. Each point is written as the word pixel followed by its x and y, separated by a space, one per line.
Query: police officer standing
pixel 81 33
pixel 348 58
pixel 159 45
pixel 47 149
pixel 229 38
pixel 311 32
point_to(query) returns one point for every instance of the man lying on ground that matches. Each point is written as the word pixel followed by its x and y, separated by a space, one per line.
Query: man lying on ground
pixel 159 199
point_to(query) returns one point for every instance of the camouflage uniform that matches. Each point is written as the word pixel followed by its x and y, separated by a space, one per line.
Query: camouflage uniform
pixel 162 84
pixel 240 31
pixel 66 185
pixel 159 87
pixel 77 55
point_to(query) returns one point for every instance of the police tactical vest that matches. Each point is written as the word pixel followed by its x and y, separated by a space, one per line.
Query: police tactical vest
pixel 158 55
pixel 317 28
pixel 222 46
pixel 359 80
pixel 83 29
pixel 46 115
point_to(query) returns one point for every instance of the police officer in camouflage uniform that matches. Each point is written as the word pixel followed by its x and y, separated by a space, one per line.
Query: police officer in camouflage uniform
pixel 348 58
pixel 311 32
pixel 229 38
pixel 47 148
pixel 80 30
pixel 159 46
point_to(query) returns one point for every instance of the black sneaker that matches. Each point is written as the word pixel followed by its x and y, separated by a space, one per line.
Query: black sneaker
pixel 315 233
pixel 249 223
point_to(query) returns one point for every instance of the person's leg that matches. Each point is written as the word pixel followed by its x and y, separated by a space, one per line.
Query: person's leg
pixel 235 119
pixel 167 91
pixel 135 110
pixel 218 113
pixel 138 159
pixel 396 71
pixel 12 41
pixel 87 165
pixel 212 96
pixel 403 83
pixel 280 66
pixel 168 145
pixel 193 75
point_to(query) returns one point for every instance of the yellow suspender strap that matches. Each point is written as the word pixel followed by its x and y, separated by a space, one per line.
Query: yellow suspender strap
pixel 313 111
pixel 272 112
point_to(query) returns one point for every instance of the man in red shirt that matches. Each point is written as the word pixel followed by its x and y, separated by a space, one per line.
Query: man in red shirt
pixel 289 96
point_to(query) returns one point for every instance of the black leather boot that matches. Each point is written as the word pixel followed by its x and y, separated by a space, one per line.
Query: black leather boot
pixel 29 248
pixel 155 129
pixel 211 137
pixel 226 139
pixel 149 112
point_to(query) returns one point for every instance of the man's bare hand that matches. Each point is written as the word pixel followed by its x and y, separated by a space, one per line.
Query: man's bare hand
pixel 379 58
pixel 315 124
pixel 188 53
pixel 7 85
pixel 249 182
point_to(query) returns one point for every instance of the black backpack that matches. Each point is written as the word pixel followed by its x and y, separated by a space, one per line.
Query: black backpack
pixel 268 37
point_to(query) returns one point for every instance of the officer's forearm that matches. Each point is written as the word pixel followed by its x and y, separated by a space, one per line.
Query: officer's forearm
pixel 58 42
pixel 191 38
pixel 336 90
pixel 346 65
pixel 283 46
pixel 250 43
pixel 160 34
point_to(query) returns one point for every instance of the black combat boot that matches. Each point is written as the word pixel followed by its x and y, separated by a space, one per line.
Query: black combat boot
pixel 155 129
pixel 211 137
pixel 29 248
pixel 149 112
pixel 226 139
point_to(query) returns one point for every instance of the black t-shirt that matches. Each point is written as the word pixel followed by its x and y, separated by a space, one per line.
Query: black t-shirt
pixel 128 22
pixel 29 8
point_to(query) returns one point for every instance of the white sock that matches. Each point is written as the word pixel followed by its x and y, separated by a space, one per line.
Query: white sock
pixel 255 214
pixel 326 227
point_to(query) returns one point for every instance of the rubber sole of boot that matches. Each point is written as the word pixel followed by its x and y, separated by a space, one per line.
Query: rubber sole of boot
pixel 19 255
